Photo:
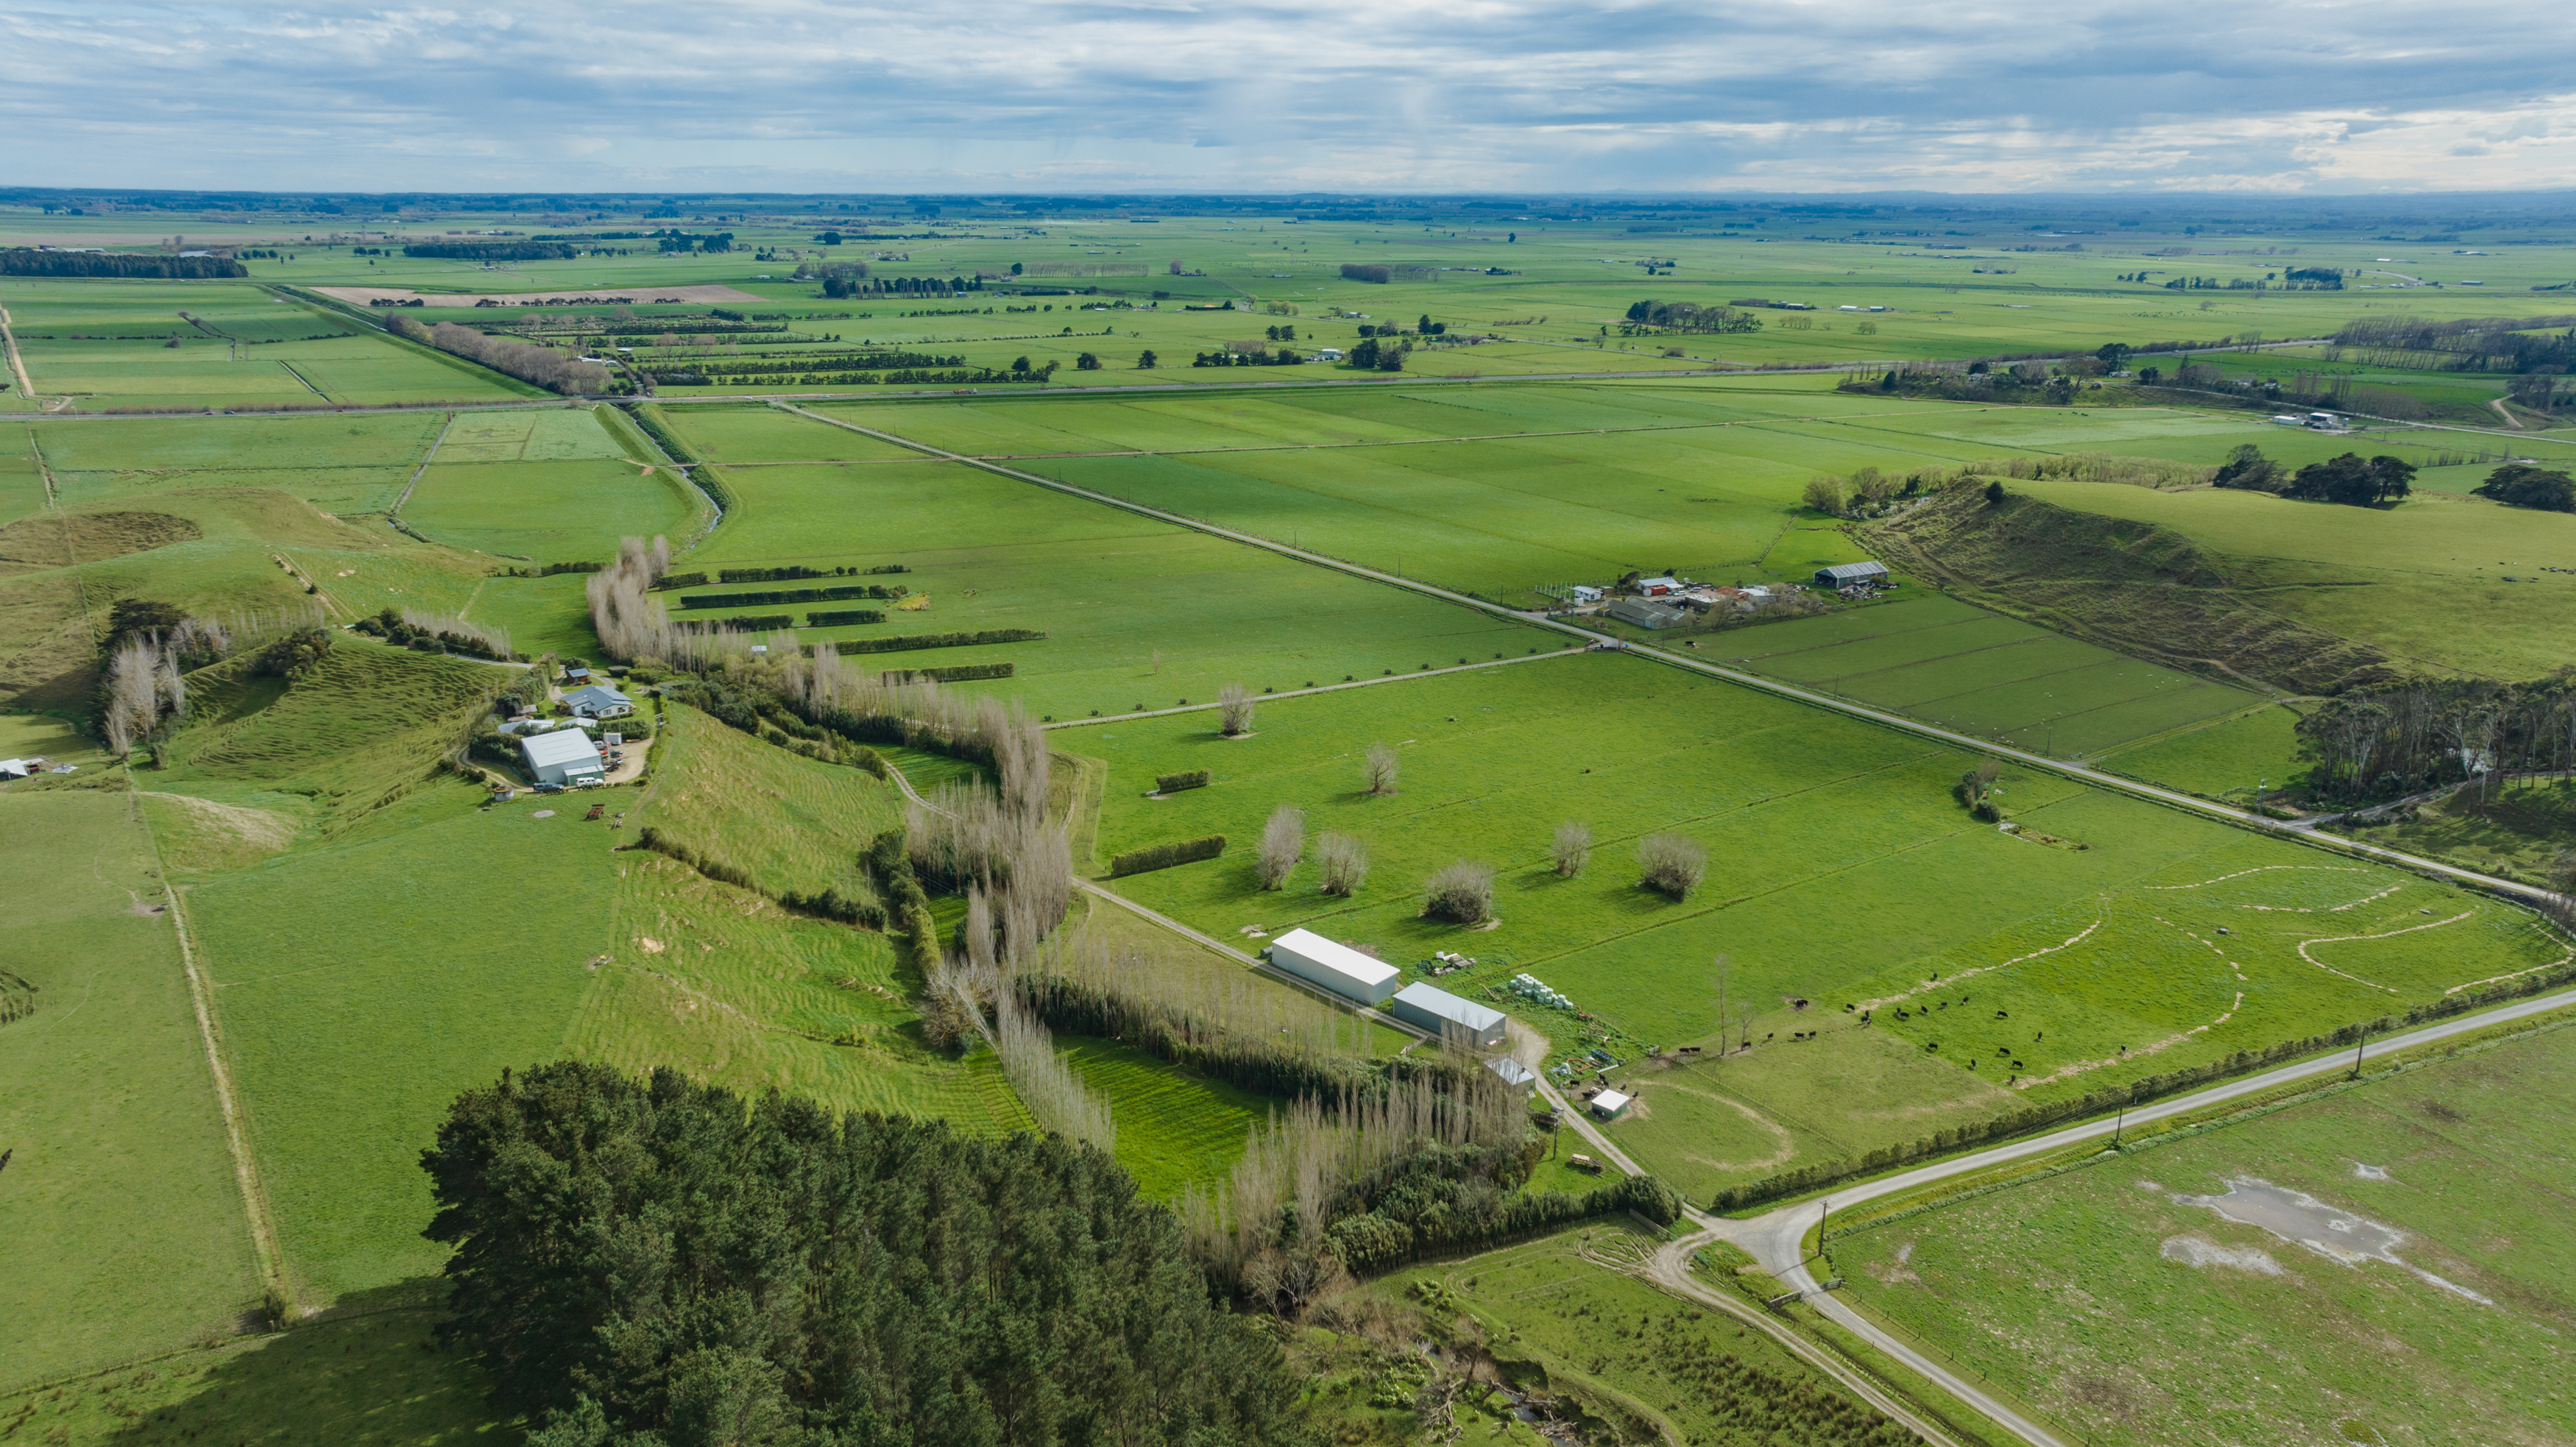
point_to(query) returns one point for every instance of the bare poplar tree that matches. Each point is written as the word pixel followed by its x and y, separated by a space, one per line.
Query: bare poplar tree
pixel 1380 769
pixel 1345 858
pixel 1234 710
pixel 1283 840
pixel 1573 847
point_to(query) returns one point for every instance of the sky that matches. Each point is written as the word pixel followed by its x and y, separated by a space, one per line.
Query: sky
pixel 1291 95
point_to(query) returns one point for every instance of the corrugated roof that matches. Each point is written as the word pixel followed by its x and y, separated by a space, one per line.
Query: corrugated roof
pixel 1334 955
pixel 1854 570
pixel 597 694
pixel 1449 1007
pixel 563 746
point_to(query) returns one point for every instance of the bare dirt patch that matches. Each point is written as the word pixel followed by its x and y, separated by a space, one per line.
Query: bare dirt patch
pixel 367 296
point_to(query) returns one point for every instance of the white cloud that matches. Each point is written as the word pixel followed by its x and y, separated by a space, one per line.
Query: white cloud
pixel 1287 95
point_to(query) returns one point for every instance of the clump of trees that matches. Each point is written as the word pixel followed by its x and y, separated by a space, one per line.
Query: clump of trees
pixel 151 647
pixel 1683 316
pixel 544 366
pixel 1975 785
pixel 1283 843
pixel 1372 354
pixel 28 261
pixel 2347 479
pixel 1461 893
pixel 1672 865
pixel 2518 484
pixel 653 1260
pixel 433 632
pixel 2391 739
pixel 1372 274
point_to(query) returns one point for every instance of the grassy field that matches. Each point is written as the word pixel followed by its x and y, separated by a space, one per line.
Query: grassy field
pixel 793 823
pixel 374 1379
pixel 1841 872
pixel 2116 1299
pixel 1984 674
pixel 1560 1318
pixel 2403 579
pixel 126 1236
pixel 2232 756
pixel 107 344
pixel 1176 1130
pixel 1137 613
pixel 549 511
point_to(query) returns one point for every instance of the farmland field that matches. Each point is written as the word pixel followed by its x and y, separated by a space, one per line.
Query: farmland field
pixel 1136 612
pixel 2118 1299
pixel 1841 872
pixel 2233 756
pixel 126 1233
pixel 554 511
pixel 1981 673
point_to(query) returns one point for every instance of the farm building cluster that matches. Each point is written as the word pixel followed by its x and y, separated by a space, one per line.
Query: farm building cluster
pixel 1665 602
pixel 1366 980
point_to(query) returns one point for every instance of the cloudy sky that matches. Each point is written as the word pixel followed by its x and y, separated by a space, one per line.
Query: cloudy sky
pixel 1285 95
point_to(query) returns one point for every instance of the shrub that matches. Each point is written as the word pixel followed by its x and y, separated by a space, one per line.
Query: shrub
pixel 1671 864
pixel 1174 783
pixel 1461 893
pixel 1234 710
pixel 1345 858
pixel 1283 840
pixel 1164 856
pixel 1380 769
pixel 1573 847
pixel 1824 494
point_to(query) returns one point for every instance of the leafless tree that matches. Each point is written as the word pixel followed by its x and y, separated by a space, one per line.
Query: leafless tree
pixel 1671 864
pixel 1234 709
pixel 1380 769
pixel 1573 847
pixel 1345 858
pixel 1283 841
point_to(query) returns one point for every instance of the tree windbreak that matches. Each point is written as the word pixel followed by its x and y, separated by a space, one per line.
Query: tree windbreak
pixel 657 1263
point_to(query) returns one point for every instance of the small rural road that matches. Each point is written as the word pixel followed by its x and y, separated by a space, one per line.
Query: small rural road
pixel 1777 1239
pixel 9 335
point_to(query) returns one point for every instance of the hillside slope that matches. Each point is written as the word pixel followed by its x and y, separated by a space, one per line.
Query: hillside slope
pixel 2134 586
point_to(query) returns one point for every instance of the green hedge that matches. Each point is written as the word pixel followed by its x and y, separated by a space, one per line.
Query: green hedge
pixel 961 673
pixel 845 615
pixel 940 640
pixel 668 581
pixel 756 622
pixel 1174 783
pixel 1164 856
pixel 840 594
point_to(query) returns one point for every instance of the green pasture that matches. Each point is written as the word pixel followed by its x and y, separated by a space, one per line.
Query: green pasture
pixel 1841 871
pixel 574 509
pixel 363 982
pixel 792 823
pixel 1177 1130
pixel 2425 579
pixel 126 1233
pixel 2111 1300
pixel 2228 757
pixel 1982 673
pixel 340 464
pixel 374 1378
pixel 1137 612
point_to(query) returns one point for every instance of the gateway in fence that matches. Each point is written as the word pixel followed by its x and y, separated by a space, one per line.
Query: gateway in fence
pixel 1438 1011
pixel 566 756
pixel 1335 966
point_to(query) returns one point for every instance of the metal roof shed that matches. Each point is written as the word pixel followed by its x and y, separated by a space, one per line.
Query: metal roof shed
pixel 562 757
pixel 1438 1011
pixel 1516 1075
pixel 1845 575
pixel 1335 966
pixel 1610 1103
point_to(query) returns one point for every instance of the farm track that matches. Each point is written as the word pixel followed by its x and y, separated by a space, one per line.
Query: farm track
pixel 18 366
pixel 416 473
